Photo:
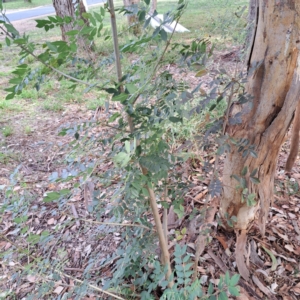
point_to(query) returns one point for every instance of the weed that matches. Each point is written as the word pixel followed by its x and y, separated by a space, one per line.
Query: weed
pixel 28 129
pixel 95 103
pixel 7 131
pixel 4 158
pixel 8 156
pixel 29 94
pixel 52 105
pixel 10 105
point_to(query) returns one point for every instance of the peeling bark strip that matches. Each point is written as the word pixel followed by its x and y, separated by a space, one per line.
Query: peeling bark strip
pixel 294 141
pixel 274 84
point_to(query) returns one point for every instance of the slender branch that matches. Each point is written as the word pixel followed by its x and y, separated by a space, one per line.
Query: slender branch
pixel 165 214
pixel 117 53
pixel 113 224
pixel 162 240
pixel 45 64
pixel 141 89
pixel 90 285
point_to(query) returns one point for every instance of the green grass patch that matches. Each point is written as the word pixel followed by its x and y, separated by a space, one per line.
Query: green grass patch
pixel 8 156
pixel 21 4
pixel 93 104
pixel 7 130
pixel 10 105
pixel 52 105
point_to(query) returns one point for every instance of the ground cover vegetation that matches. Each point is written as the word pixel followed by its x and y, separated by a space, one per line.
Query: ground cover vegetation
pixel 110 185
pixel 20 4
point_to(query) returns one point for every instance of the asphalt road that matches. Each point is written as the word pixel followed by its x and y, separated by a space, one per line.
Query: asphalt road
pixel 39 11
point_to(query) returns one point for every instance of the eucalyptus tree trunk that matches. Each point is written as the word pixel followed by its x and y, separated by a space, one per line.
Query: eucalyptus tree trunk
pixel 83 8
pixel 273 83
pixel 84 3
pixel 274 86
pixel 252 22
pixel 133 20
pixel 153 6
pixel 64 8
pixel 252 10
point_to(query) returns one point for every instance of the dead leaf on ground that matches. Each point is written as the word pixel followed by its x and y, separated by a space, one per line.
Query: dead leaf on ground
pixel 261 286
pixel 58 290
pixel 240 254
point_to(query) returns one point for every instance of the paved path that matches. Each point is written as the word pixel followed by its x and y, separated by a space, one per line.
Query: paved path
pixel 39 11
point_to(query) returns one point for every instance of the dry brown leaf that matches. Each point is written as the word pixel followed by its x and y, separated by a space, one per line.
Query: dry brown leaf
pixel 240 254
pixel 289 247
pixel 223 242
pixel 51 221
pixel 201 195
pixel 254 255
pixel 62 218
pixel 88 194
pixel 8 245
pixel 297 287
pixel 58 290
pixel 2 244
pixel 51 187
pixel 171 216
pixel 201 270
pixel 261 286
pixel 23 287
pixel 296 290
pixel 283 236
pixel 292 216
pixel 31 278
pixel 244 295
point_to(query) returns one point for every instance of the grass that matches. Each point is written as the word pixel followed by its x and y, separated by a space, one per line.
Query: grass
pixel 93 104
pixel 203 18
pixel 21 4
pixel 28 130
pixel 8 156
pixel 10 106
pixel 52 105
pixel 7 130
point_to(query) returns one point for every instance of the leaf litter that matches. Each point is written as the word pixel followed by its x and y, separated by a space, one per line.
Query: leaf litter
pixel 273 261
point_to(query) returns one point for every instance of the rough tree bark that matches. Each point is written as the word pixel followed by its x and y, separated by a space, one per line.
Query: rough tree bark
pixel 252 8
pixel 251 21
pixel 273 82
pixel 64 8
pixel 132 18
pixel 153 6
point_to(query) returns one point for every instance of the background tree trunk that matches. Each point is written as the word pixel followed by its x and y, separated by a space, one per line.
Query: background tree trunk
pixel 273 82
pixel 251 21
pixel 252 12
pixel 85 5
pixel 153 6
pixel 64 8
pixel 133 21
pixel 82 9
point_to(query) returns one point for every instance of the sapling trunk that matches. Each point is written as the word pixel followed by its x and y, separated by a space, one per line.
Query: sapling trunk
pixel 162 240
